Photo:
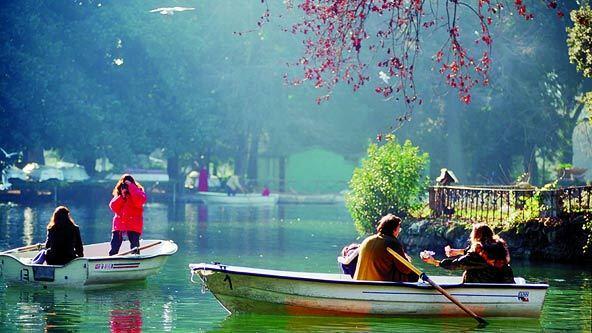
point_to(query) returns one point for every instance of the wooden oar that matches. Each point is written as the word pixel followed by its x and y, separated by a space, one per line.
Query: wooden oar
pixel 427 279
pixel 140 248
pixel 37 246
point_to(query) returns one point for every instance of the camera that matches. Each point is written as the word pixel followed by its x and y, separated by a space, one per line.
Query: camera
pixel 123 186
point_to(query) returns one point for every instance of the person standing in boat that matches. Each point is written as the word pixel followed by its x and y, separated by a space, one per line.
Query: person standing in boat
pixel 128 206
pixel 202 184
pixel 486 261
pixel 375 263
pixel 64 243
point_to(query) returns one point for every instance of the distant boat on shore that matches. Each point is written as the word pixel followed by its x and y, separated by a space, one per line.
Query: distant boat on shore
pixel 237 199
pixel 326 199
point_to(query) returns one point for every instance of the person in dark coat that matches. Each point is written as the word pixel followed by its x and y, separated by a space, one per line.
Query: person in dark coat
pixel 63 239
pixel 486 261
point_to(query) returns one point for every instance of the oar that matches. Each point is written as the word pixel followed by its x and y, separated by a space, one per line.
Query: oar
pixel 427 279
pixel 140 248
pixel 25 248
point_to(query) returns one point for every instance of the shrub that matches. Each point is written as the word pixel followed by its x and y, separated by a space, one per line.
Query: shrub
pixel 390 180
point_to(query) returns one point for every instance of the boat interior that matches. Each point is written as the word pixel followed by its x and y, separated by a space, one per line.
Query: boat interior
pixel 153 247
pixel 444 280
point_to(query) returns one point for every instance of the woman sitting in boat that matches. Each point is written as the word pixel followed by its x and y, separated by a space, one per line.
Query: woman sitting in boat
pixel 63 239
pixel 375 263
pixel 486 261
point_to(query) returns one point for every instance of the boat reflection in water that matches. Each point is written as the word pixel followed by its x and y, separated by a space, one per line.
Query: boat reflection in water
pixel 44 310
pixel 126 317
pixel 282 323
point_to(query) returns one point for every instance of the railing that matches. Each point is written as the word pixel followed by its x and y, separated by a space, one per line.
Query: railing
pixel 503 202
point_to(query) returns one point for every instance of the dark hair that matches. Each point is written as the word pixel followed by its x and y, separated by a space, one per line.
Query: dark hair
pixel 121 181
pixel 388 224
pixel 61 216
pixel 482 235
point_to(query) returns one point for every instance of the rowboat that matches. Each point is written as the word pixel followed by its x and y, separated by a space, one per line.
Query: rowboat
pixel 93 271
pixel 238 199
pixel 244 289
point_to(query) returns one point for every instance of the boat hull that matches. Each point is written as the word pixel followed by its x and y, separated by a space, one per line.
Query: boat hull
pixel 319 199
pixel 238 199
pixel 95 271
pixel 265 291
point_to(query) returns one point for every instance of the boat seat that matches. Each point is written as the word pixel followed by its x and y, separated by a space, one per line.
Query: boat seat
pixel 519 280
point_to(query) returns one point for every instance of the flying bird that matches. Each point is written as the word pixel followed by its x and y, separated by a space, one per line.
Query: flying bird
pixel 10 155
pixel 170 10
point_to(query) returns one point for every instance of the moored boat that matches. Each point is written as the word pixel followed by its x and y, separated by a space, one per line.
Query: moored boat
pixel 320 199
pixel 243 289
pixel 238 199
pixel 95 270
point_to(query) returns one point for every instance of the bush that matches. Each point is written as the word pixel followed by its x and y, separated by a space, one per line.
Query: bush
pixel 390 180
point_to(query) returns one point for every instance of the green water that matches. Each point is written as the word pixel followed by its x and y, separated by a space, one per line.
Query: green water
pixel 292 237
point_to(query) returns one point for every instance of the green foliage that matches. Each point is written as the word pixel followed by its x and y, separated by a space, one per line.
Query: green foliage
pixel 390 180
pixel 579 40
pixel 587 227
pixel 587 101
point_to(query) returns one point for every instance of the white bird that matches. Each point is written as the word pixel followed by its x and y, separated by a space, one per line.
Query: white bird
pixel 10 155
pixel 170 10
pixel 382 75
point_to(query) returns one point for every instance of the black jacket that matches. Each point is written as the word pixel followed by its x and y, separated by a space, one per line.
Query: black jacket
pixel 63 244
pixel 478 269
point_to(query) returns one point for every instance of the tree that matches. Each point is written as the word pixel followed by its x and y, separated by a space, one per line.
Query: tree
pixel 341 37
pixel 391 179
pixel 580 46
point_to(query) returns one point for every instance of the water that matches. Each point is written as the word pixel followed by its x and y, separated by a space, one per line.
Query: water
pixel 291 237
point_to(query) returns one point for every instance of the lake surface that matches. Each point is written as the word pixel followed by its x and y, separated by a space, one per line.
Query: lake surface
pixel 289 237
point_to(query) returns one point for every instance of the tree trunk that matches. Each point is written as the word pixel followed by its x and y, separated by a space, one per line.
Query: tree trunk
pixel 34 154
pixel 240 157
pixel 282 174
pixel 173 167
pixel 252 174
pixel 529 164
pixel 455 158
pixel 89 165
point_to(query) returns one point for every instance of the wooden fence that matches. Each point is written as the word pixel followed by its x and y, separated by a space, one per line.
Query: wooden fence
pixel 501 203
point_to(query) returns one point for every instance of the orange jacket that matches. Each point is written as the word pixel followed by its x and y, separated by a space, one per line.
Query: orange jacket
pixel 129 211
pixel 376 264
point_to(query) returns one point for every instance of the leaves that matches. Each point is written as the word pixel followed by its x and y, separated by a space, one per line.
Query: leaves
pixel 390 180
pixel 579 40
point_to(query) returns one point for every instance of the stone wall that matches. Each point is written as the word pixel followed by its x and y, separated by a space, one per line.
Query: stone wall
pixel 546 240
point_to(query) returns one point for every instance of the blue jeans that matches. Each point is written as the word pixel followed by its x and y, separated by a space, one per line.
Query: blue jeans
pixel 230 191
pixel 117 239
pixel 39 258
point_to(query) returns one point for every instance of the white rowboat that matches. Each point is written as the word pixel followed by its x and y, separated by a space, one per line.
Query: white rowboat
pixel 96 270
pixel 243 289
pixel 238 199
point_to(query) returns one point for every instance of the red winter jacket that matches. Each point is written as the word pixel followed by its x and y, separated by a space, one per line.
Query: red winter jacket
pixel 129 211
